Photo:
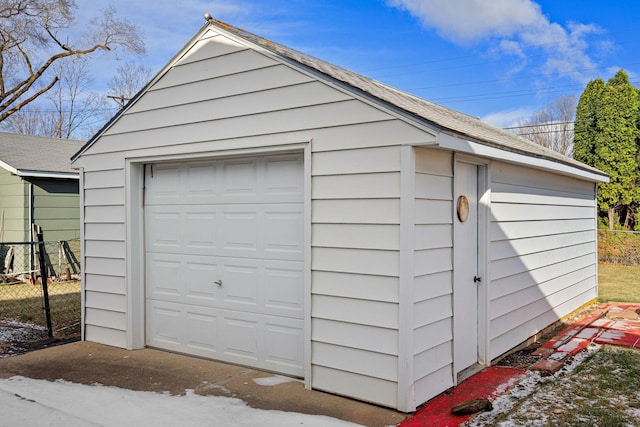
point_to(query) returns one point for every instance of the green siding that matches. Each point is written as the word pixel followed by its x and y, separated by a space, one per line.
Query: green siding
pixel 14 207
pixel 56 208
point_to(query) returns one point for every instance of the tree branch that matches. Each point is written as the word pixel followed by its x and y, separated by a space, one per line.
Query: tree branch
pixel 7 112
pixel 26 84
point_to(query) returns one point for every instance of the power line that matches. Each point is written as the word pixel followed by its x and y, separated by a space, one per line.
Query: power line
pixel 573 122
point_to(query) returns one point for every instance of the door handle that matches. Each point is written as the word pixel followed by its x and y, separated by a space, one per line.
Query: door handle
pixel 218 282
pixel 477 279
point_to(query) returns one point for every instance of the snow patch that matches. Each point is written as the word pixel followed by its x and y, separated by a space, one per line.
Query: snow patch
pixel 273 381
pixel 26 401
pixel 13 332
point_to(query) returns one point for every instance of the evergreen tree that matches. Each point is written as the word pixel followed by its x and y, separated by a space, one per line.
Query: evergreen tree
pixel 586 124
pixel 606 138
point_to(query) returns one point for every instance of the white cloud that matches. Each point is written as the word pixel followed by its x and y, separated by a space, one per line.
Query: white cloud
pixel 465 21
pixel 513 27
pixel 508 118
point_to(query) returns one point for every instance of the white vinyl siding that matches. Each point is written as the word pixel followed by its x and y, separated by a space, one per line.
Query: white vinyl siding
pixel 432 328
pixel 355 270
pixel 542 251
pixel 104 257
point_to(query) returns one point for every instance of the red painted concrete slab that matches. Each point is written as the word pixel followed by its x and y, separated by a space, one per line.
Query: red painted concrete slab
pixel 487 384
pixel 620 334
pixel 588 333
pixel 617 328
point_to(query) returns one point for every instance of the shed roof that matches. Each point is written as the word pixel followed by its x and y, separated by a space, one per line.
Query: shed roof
pixel 446 119
pixel 37 156
pixel 415 108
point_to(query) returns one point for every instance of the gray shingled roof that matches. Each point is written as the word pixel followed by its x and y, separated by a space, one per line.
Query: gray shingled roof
pixel 27 154
pixel 434 114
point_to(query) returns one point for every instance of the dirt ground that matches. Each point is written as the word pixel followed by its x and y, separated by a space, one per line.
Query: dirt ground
pixel 18 338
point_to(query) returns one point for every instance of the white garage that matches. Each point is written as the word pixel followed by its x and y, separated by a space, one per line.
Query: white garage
pixel 256 205
pixel 224 260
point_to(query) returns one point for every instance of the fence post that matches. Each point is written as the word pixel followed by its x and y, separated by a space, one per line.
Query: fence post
pixel 45 285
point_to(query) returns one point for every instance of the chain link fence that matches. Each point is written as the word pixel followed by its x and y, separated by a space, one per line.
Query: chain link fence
pixel 51 310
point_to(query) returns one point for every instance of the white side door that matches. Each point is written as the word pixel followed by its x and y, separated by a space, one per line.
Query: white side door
pixel 465 280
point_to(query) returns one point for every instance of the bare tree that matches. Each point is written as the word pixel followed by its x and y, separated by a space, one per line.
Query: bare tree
pixel 552 126
pixel 69 109
pixel 32 39
pixel 130 78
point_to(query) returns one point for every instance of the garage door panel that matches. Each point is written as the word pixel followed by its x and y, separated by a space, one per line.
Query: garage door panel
pixel 179 328
pixel 255 286
pixel 240 286
pixel 261 341
pixel 201 325
pixel 240 178
pixel 254 180
pixel 201 182
pixel 250 231
pixel 282 230
pixel 200 230
pixel 162 233
pixel 164 278
pixel 181 229
pixel 263 287
pixel 162 184
pixel 182 279
pixel 282 290
pixel 284 345
pixel 282 177
pixel 241 336
pixel 195 183
pixel 225 259
pixel 201 288
pixel 240 235
pixel 165 329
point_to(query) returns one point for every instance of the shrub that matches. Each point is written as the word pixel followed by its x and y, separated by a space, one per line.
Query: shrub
pixel 618 247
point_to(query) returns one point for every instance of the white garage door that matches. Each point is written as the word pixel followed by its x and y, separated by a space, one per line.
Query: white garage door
pixel 224 260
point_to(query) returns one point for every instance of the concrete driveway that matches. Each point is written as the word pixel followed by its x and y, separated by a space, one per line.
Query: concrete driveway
pixel 160 371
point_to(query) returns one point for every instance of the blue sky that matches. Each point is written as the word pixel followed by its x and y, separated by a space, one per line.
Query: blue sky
pixel 500 60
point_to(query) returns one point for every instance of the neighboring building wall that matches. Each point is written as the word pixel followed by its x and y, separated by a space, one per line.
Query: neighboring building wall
pixel 14 208
pixel 14 219
pixel 543 251
pixel 56 208
pixel 433 327
pixel 355 190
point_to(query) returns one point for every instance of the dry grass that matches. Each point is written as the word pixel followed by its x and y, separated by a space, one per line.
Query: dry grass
pixel 24 302
pixel 619 283
pixel 600 391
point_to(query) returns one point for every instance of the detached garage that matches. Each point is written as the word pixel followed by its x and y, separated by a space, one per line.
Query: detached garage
pixel 255 205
